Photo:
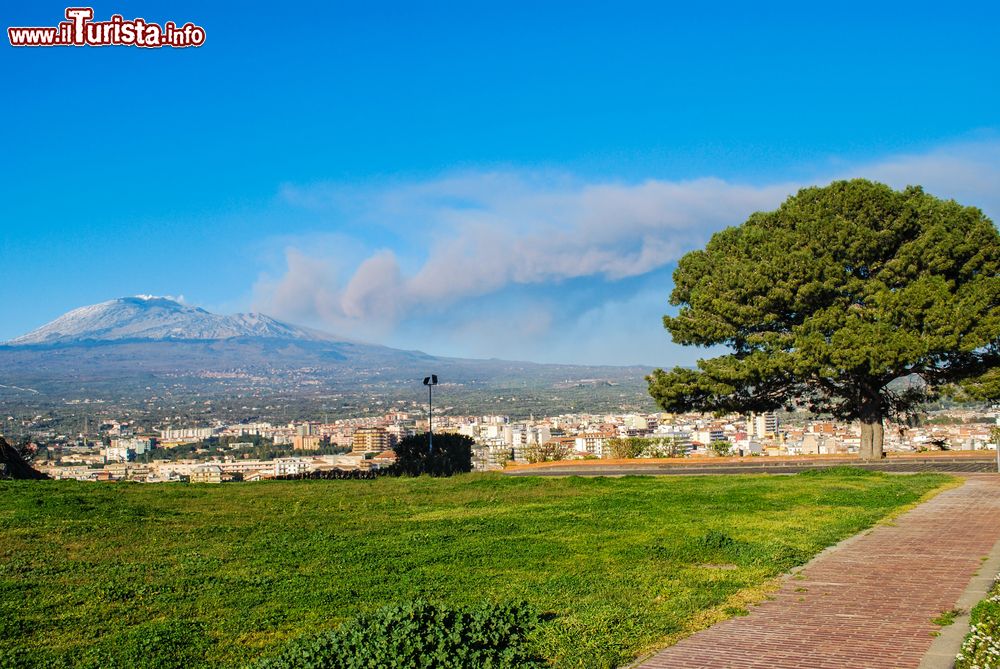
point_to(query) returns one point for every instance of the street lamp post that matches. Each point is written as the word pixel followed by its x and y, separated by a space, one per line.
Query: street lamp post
pixel 430 382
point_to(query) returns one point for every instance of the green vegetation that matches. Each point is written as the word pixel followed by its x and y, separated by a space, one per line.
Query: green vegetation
pixel 841 298
pixel 15 465
pixel 129 575
pixel 645 447
pixel 550 451
pixel 419 635
pixel 981 647
pixel 947 617
pixel 196 400
pixel 450 454
pixel 721 448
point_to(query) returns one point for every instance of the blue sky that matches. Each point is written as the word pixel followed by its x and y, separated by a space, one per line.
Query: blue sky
pixel 505 180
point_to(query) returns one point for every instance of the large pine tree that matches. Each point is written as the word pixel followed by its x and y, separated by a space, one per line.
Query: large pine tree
pixel 856 299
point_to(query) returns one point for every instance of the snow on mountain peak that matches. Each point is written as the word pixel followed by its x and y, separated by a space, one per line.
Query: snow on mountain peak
pixel 149 317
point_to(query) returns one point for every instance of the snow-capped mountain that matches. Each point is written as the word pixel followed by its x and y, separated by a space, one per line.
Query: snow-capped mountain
pixel 156 318
pixel 141 349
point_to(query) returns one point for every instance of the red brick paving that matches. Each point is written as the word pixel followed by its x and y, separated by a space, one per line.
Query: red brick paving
pixel 868 603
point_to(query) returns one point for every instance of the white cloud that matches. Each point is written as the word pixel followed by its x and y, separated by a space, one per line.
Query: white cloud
pixel 968 172
pixel 490 230
pixel 468 239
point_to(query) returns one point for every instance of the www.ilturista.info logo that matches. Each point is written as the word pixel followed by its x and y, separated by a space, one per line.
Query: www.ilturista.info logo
pixel 81 30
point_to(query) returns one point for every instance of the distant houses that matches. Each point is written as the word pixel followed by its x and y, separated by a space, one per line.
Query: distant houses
pixel 256 451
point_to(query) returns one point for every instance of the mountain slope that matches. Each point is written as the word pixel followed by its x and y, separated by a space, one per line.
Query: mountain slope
pixel 156 318
pixel 158 356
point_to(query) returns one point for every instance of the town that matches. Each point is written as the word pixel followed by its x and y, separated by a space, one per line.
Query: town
pixel 251 451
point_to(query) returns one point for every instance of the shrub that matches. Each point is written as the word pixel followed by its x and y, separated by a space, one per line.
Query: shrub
pixel 981 648
pixel 721 448
pixel 452 455
pixel 551 451
pixel 419 635
pixel 14 464
pixel 665 447
pixel 645 447
pixel 627 447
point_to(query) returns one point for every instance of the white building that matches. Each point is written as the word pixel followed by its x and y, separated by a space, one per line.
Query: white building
pixel 708 435
pixel 292 467
pixel 138 445
pixel 762 425
pixel 186 433
pixel 118 454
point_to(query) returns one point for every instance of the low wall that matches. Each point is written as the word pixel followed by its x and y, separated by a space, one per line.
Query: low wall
pixel 946 461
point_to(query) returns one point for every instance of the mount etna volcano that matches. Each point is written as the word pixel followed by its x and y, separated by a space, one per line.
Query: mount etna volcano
pixel 153 350
pixel 156 319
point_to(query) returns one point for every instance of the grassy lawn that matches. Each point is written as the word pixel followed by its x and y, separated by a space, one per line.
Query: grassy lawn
pixel 93 572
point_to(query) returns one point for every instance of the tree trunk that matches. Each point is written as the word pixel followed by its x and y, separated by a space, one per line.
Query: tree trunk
pixel 878 440
pixel 872 431
pixel 865 450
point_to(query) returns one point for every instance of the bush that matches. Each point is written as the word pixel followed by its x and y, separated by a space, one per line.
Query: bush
pixel 552 451
pixel 721 448
pixel 981 648
pixel 452 455
pixel 645 447
pixel 13 464
pixel 419 635
pixel 627 447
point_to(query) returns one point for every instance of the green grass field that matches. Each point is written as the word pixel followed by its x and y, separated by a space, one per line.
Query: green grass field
pixel 119 574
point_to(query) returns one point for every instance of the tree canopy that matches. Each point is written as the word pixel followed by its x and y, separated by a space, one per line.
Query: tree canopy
pixel 855 299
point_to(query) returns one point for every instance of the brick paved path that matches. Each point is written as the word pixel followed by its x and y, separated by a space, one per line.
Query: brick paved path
pixel 868 603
